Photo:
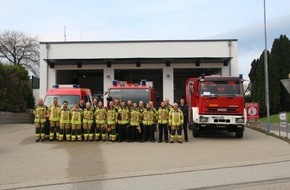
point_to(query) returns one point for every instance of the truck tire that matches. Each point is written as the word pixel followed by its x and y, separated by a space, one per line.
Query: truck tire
pixel 195 131
pixel 239 133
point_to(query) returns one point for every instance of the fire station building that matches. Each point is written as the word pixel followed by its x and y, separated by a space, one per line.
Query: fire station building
pixel 167 63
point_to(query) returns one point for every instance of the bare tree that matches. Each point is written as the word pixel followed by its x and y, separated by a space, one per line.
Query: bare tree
pixel 20 49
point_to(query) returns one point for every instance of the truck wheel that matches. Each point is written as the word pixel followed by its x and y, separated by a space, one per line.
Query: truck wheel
pixel 239 133
pixel 195 131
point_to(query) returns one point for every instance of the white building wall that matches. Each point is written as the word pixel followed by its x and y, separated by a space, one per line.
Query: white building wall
pixel 113 50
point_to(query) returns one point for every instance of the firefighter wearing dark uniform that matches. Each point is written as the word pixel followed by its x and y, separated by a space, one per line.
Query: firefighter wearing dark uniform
pixel 76 122
pixel 148 118
pixel 100 117
pixel 111 122
pixel 175 122
pixel 88 122
pixel 184 108
pixel 162 116
pixel 123 121
pixel 39 112
pixel 64 122
pixel 134 131
pixel 54 117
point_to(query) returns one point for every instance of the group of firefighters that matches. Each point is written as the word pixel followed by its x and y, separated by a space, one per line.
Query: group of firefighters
pixel 118 122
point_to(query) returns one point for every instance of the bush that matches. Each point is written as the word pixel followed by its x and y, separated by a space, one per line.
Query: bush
pixel 15 92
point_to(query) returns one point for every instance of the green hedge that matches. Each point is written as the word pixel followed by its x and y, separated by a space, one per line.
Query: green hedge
pixel 15 91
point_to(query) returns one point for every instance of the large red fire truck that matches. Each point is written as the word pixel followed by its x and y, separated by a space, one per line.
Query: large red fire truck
pixel 216 102
pixel 127 90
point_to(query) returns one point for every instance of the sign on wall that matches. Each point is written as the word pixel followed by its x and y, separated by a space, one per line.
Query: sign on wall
pixel 252 111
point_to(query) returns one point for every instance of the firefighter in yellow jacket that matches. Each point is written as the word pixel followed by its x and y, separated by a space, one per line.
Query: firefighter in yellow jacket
pixel 100 117
pixel 123 121
pixel 76 122
pixel 175 122
pixel 163 116
pixel 88 122
pixel 111 121
pixel 64 122
pixel 39 112
pixel 134 131
pixel 54 118
pixel 148 119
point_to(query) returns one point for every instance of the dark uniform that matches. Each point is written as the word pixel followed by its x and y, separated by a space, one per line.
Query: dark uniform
pixel 184 109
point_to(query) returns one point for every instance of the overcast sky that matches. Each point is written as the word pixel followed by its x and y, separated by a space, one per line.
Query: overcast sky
pixel 90 20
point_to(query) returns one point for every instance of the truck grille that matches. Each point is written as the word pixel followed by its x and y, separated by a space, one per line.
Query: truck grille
pixel 221 110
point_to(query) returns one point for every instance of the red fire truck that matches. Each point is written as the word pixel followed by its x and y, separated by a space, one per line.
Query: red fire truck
pixel 127 90
pixel 216 102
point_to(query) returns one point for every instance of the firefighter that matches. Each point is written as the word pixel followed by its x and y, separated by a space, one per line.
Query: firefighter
pixel 111 121
pixel 184 108
pixel 39 112
pixel 95 105
pixel 141 109
pixel 76 122
pixel 82 105
pixel 123 121
pixel 100 117
pixel 148 119
pixel 169 107
pixel 88 122
pixel 155 113
pixel 64 122
pixel 176 122
pixel 54 113
pixel 162 116
pixel 134 131
pixel 130 105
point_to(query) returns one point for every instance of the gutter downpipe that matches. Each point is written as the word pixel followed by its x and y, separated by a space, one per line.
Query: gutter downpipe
pixel 47 67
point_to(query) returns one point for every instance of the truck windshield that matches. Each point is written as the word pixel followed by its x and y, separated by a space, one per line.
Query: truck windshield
pixel 71 100
pixel 135 95
pixel 231 88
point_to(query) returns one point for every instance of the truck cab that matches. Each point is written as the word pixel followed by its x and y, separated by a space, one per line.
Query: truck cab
pixel 216 102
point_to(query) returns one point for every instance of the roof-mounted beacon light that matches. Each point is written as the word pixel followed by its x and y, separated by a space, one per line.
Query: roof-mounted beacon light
pixel 115 82
pixel 55 86
pixel 241 76
pixel 143 82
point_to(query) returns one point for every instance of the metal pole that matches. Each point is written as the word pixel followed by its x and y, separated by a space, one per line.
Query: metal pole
pixel 266 72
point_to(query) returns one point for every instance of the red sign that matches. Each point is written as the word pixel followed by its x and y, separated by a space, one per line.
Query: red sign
pixel 252 111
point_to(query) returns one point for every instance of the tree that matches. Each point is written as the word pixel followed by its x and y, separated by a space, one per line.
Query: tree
pixel 15 91
pixel 20 49
pixel 253 76
pixel 281 57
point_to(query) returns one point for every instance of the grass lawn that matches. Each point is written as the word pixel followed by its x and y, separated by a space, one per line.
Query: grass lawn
pixel 275 118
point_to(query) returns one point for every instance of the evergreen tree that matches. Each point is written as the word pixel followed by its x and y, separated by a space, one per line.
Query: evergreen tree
pixel 254 80
pixel 281 56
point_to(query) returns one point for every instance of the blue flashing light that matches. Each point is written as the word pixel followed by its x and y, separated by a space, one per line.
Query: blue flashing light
pixel 143 82
pixel 202 76
pixel 115 82
pixel 76 85
pixel 241 76
pixel 55 86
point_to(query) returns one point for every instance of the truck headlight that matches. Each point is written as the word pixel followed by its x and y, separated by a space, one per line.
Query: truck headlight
pixel 203 119
pixel 240 120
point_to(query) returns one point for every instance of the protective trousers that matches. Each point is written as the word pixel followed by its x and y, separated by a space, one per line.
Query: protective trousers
pixel 76 132
pixel 173 132
pixel 39 131
pixel 62 128
pixel 54 127
pixel 163 130
pixel 88 133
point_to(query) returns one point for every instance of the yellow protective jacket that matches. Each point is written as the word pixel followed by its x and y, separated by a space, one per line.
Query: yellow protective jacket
pixel 101 115
pixel 40 114
pixel 65 116
pixel 148 117
pixel 76 116
pixel 123 116
pixel 175 117
pixel 112 116
pixel 88 116
pixel 135 117
pixel 54 112
pixel 163 115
